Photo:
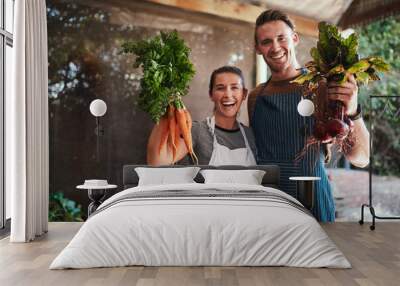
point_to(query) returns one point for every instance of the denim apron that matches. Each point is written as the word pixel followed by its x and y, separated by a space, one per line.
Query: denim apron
pixel 280 135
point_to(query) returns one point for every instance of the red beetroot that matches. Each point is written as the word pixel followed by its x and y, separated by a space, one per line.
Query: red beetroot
pixel 321 133
pixel 337 128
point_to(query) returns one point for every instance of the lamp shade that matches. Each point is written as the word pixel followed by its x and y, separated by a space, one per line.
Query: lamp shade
pixel 305 107
pixel 98 107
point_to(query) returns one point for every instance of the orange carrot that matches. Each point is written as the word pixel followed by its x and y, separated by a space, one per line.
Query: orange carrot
pixel 177 139
pixel 164 132
pixel 172 127
pixel 182 120
pixel 188 119
pixel 189 125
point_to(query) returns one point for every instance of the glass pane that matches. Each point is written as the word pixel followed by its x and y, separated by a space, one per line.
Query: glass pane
pixel 8 86
pixel 1 14
pixel 9 9
pixel 2 205
pixel 385 154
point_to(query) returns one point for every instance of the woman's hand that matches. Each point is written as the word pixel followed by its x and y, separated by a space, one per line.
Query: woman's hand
pixel 346 93
pixel 157 156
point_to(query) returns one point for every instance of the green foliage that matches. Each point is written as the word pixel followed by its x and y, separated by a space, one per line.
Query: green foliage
pixel 382 38
pixel 167 71
pixel 63 209
pixel 336 58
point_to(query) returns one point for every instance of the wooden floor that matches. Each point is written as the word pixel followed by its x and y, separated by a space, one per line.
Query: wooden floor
pixel 374 255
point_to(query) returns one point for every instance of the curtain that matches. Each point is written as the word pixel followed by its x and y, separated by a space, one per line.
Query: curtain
pixel 27 147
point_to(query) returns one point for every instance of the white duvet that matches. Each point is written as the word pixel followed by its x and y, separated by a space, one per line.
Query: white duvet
pixel 187 231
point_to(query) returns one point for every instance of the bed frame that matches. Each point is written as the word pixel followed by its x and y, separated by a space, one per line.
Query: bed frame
pixel 271 177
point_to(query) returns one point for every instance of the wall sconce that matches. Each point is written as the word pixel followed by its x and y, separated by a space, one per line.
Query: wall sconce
pixel 98 108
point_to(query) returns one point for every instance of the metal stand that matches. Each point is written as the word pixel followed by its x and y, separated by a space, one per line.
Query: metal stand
pixel 370 204
pixel 99 131
pixel 305 190
pixel 96 196
pixel 305 193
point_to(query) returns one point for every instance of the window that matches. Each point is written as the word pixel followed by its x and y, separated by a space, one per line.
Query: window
pixel 6 44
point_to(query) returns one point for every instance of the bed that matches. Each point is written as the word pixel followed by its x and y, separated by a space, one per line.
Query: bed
pixel 201 224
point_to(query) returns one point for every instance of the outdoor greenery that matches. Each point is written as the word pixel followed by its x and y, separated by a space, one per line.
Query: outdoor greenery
pixel 382 38
pixel 63 209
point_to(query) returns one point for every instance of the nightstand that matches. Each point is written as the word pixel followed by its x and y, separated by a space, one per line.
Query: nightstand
pixel 305 190
pixel 96 195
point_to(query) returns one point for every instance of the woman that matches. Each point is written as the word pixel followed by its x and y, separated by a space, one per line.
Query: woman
pixel 217 140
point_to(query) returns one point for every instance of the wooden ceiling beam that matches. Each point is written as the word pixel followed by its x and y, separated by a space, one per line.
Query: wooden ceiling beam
pixel 237 11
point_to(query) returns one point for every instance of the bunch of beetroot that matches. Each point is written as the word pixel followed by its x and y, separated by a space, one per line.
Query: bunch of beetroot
pixel 337 126
pixel 334 59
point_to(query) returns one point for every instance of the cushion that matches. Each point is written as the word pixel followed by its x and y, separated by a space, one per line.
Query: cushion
pixel 162 176
pixel 249 177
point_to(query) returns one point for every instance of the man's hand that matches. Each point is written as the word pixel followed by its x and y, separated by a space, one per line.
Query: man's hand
pixel 346 93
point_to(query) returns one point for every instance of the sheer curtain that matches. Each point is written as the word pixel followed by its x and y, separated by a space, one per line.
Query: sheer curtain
pixel 27 148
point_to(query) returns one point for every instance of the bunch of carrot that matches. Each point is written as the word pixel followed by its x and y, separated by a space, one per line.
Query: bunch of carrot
pixel 176 124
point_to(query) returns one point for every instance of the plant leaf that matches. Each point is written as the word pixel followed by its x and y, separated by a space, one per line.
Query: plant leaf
pixel 362 77
pixel 338 69
pixel 350 51
pixel 301 79
pixel 360 66
pixel 378 64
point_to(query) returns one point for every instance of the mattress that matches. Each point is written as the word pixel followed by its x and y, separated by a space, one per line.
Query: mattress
pixel 201 225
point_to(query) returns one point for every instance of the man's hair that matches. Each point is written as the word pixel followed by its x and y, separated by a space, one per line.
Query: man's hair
pixel 225 69
pixel 272 15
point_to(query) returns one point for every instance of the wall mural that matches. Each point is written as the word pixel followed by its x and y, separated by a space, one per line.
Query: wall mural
pixel 84 39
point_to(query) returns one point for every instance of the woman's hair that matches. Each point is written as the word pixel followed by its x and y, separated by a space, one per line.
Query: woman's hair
pixel 272 15
pixel 225 69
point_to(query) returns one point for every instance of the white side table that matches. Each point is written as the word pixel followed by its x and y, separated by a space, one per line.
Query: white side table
pixel 96 195
pixel 305 190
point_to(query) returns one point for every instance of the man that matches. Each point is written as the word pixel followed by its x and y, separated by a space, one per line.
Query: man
pixel 279 129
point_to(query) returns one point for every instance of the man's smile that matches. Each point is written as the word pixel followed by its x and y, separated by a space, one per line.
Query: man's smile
pixel 280 57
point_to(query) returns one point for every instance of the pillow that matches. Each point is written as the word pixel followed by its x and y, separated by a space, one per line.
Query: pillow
pixel 249 177
pixel 162 176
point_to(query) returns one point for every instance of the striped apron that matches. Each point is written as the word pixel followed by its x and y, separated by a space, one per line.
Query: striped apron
pixel 280 135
